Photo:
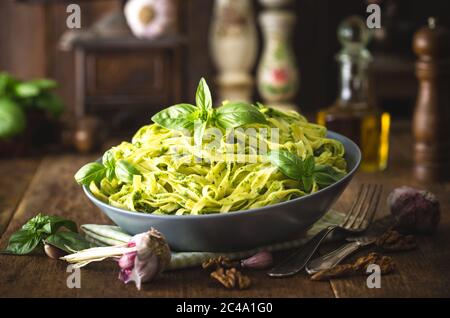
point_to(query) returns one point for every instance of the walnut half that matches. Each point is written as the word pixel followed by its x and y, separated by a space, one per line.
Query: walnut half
pixel 393 241
pixel 231 278
pixel 386 263
pixel 219 262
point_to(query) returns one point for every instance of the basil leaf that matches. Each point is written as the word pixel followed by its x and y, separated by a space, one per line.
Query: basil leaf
pixel 26 89
pixel 308 166
pixel 12 118
pixel 35 230
pixel 68 241
pixel 93 171
pixel 23 242
pixel 35 223
pixel 110 173
pixel 125 171
pixel 326 175
pixel 54 223
pixel 294 167
pixel 233 115
pixel 177 117
pixel 260 106
pixel 288 163
pixel 108 159
pixel 44 83
pixel 199 133
pixel 308 182
pixel 50 103
pixel 6 82
pixel 203 97
pixel 48 224
pixel 110 164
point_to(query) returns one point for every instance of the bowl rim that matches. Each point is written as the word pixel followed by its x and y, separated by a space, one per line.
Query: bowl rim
pixel 330 134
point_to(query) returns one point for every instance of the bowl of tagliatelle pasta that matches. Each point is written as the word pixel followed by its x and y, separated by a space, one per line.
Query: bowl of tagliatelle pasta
pixel 229 178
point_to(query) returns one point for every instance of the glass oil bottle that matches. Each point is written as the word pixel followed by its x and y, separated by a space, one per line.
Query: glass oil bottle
pixel 354 114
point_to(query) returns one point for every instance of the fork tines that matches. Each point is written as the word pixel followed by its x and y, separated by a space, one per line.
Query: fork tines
pixel 363 209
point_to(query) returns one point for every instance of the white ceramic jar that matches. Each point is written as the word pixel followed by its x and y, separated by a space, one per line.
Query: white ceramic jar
pixel 234 45
pixel 149 19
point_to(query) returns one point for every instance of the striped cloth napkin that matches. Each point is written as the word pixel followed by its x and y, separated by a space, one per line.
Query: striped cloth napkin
pixel 101 236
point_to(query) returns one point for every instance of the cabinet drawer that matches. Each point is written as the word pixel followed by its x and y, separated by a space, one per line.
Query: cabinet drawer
pixel 136 76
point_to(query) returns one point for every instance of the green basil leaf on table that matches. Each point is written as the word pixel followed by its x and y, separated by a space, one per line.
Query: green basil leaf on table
pixel 92 171
pixel 48 224
pixel 68 241
pixel 22 242
pixel 35 223
pixel 177 117
pixel 35 230
pixel 233 115
pixel 54 223
pixel 289 164
pixel 12 118
pixel 203 97
pixel 125 171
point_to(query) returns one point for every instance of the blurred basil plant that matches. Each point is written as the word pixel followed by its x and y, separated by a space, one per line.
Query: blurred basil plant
pixel 17 97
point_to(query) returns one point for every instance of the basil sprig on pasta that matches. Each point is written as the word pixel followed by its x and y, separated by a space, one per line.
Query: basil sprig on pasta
pixel 305 171
pixel 196 118
pixel 109 168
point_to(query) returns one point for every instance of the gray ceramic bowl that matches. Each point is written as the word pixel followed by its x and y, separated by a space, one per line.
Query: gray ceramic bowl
pixel 239 230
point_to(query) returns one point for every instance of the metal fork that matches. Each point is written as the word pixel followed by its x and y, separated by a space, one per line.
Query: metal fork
pixel 357 221
pixel 336 256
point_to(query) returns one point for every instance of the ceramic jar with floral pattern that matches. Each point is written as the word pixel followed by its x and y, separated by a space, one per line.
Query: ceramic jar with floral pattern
pixel 278 77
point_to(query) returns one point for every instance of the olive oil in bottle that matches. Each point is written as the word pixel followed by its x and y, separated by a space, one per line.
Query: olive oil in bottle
pixel 354 114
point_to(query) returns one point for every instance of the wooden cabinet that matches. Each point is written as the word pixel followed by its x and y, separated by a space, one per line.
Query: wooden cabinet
pixel 125 81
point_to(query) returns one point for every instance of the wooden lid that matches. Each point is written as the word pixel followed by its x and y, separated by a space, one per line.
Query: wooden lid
pixel 432 41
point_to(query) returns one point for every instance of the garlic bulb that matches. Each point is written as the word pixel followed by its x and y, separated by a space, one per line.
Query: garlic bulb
pixel 141 259
pixel 149 260
pixel 151 18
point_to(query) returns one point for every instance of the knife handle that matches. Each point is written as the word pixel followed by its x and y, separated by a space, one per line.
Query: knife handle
pixel 298 260
pixel 332 259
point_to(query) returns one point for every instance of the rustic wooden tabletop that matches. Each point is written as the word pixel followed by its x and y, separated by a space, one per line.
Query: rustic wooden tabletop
pixel 46 185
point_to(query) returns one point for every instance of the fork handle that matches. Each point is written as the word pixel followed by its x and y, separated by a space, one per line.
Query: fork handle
pixel 332 259
pixel 298 260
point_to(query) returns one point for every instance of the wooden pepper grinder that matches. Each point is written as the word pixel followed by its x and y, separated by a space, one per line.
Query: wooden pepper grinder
pixel 431 126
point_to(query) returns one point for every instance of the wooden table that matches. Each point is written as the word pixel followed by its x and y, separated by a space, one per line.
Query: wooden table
pixel 46 185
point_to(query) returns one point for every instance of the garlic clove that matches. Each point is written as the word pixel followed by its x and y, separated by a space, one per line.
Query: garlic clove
pixel 261 260
pixel 127 260
pixel 53 252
